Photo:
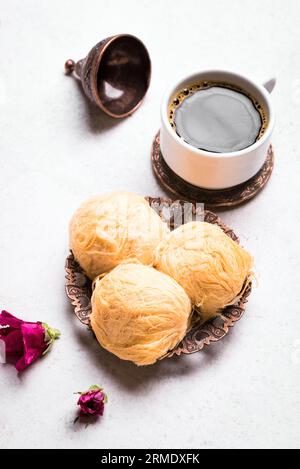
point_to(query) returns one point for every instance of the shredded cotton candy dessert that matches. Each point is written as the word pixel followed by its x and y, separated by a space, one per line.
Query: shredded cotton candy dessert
pixel 138 313
pixel 210 266
pixel 109 229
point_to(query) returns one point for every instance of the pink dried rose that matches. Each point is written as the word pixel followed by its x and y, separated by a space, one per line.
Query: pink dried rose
pixel 25 342
pixel 92 402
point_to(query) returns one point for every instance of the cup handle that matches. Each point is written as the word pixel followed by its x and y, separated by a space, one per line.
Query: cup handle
pixel 270 84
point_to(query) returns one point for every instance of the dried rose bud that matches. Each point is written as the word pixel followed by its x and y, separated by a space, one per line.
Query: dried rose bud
pixel 92 401
pixel 25 342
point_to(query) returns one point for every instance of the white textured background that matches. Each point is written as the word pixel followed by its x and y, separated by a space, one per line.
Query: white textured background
pixel 56 150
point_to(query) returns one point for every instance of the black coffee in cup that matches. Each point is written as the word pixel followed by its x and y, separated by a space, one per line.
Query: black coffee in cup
pixel 217 117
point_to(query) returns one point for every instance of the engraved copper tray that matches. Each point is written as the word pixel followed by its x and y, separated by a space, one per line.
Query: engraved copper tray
pixel 213 199
pixel 79 290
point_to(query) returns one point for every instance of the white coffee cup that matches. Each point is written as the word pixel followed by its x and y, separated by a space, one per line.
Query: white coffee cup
pixel 216 170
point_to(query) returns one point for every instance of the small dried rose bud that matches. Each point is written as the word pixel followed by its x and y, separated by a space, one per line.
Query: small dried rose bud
pixel 25 342
pixel 92 401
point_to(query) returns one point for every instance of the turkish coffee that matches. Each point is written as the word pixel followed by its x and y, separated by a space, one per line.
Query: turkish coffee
pixel 217 117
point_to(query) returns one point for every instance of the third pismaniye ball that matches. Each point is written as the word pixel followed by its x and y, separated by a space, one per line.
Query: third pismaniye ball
pixel 139 313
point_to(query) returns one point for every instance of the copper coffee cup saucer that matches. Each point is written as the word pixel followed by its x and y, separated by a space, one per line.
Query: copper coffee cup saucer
pixel 225 198
pixel 79 290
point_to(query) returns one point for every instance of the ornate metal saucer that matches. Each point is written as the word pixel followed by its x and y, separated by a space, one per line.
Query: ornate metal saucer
pixel 79 290
pixel 213 199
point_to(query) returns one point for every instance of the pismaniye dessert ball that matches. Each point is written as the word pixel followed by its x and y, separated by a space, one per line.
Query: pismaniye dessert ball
pixel 139 313
pixel 114 228
pixel 211 267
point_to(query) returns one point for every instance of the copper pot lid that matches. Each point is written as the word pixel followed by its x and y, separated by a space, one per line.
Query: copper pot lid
pixel 115 75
